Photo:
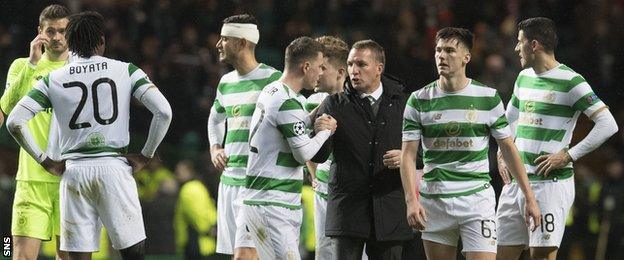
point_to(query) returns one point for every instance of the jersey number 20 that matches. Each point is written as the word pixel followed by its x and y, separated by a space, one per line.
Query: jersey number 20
pixel 96 105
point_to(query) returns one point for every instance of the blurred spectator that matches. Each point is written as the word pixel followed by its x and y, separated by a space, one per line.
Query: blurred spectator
pixel 195 215
pixel 308 238
pixel 153 178
pixel 157 189
pixel 612 221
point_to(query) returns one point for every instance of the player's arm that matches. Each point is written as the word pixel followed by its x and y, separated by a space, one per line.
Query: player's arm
pixel 148 94
pixel 604 127
pixel 412 132
pixel 156 103
pixel 216 134
pixel 304 147
pixel 17 122
pixel 500 130
pixel 291 118
pixel 17 84
pixel 312 169
pixel 515 166
pixel 416 215
pixel 582 98
pixel 513 114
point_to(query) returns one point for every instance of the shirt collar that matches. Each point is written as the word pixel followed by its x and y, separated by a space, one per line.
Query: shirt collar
pixel 77 58
pixel 376 94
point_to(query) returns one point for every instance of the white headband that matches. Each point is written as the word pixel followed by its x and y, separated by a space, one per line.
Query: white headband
pixel 247 31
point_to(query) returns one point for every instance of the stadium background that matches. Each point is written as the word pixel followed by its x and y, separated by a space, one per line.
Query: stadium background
pixel 174 42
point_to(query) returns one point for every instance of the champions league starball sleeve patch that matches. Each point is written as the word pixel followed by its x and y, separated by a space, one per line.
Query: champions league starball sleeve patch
pixel 299 128
pixel 592 99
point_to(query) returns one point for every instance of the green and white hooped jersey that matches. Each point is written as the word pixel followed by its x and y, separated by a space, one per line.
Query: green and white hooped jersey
pixel 235 102
pixel 544 109
pixel 322 169
pixel 454 129
pixel 274 176
pixel 314 100
pixel 90 99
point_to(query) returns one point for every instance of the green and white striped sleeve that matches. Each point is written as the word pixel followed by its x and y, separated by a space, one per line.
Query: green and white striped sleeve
pixel 38 96
pixel 216 121
pixel 291 121
pixel 499 127
pixel 513 107
pixel 582 97
pixel 412 127
pixel 138 80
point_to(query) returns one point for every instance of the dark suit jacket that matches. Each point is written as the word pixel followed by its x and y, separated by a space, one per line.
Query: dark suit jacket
pixel 365 197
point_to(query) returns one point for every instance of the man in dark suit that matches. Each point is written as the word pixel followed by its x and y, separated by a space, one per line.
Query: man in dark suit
pixel 366 201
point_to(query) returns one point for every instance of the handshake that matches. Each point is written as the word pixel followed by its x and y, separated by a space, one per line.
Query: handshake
pixel 325 122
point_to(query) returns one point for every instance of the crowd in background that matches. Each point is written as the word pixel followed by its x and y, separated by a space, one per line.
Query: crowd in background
pixel 174 43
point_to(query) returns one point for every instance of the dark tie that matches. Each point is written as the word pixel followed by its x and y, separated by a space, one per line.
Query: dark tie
pixel 374 104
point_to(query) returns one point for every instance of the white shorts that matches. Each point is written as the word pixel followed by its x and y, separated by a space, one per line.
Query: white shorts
pixel 228 207
pixel 99 189
pixel 472 217
pixel 275 230
pixel 555 199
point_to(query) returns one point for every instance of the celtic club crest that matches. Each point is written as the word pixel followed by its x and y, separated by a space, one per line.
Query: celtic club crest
pixel 471 114
pixel 236 111
pixel 529 106
pixel 95 140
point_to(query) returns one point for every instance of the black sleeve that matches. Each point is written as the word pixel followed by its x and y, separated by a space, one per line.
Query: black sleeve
pixel 322 155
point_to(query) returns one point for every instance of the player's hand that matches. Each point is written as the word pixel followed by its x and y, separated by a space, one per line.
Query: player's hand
pixel 137 161
pixel 502 170
pixel 325 122
pixel 36 48
pixel 54 167
pixel 218 157
pixel 392 159
pixel 314 183
pixel 416 215
pixel 549 162
pixel 533 214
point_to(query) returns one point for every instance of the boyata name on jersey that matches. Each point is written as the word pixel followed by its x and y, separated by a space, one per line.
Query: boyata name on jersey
pixel 93 67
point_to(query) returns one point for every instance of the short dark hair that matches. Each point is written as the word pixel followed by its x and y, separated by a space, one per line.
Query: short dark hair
pixel 462 36
pixel 369 44
pixel 85 33
pixel 302 49
pixel 542 30
pixel 336 50
pixel 241 18
pixel 53 12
